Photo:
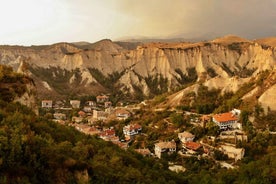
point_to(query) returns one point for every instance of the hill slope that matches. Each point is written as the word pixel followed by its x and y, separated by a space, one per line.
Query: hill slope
pixel 36 150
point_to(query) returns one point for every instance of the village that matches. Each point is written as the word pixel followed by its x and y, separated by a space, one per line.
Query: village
pixel 92 118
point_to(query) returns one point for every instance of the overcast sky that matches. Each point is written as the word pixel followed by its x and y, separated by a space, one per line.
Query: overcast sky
pixel 33 22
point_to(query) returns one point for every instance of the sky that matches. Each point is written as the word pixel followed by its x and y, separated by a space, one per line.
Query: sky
pixel 38 22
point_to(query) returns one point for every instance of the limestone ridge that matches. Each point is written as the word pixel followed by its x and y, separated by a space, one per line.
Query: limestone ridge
pixel 150 68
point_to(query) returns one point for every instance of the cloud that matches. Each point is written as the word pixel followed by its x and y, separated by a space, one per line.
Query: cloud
pixel 249 18
pixel 48 21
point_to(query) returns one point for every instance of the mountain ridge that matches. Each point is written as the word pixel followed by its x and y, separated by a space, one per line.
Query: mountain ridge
pixel 147 70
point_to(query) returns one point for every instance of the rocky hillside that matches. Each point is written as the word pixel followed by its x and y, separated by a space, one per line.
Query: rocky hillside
pixel 149 69
pixel 16 87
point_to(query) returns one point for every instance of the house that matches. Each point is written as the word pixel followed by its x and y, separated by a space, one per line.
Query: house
pixel 109 135
pixel 144 152
pixel 87 129
pixel 192 146
pixel 47 104
pixel 107 104
pixel 59 116
pixel 75 104
pixel 102 98
pixel 233 152
pixel 99 115
pixel 236 112
pixel 162 147
pixel 87 109
pixel 185 137
pixel 77 119
pixel 122 114
pixel 90 103
pixel 81 114
pixel 225 120
pixel 132 129
pixel 58 104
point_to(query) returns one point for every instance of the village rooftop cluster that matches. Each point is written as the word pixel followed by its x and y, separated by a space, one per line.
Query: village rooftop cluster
pixel 92 112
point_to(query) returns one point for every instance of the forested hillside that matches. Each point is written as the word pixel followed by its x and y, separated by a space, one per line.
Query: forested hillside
pixel 36 150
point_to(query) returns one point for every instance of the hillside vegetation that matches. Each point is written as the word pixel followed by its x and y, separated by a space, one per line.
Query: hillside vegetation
pixel 36 150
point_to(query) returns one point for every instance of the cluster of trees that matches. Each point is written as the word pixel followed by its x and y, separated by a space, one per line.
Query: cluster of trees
pixel 157 84
pixel 204 102
pixel 190 77
pixel 56 77
pixel 12 84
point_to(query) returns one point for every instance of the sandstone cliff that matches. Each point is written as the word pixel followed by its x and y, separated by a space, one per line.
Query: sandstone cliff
pixel 150 69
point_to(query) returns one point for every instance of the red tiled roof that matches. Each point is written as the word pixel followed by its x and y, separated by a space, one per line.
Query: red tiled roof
pixel 134 127
pixel 81 113
pixel 224 117
pixel 102 97
pixel 193 145
pixel 108 132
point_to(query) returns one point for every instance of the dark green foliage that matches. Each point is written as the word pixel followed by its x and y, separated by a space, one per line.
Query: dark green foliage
pixel 235 47
pixel 138 94
pixel 12 84
pixel 211 72
pixel 206 44
pixel 157 84
pixel 56 77
pixel 227 69
pixel 243 72
pixel 179 120
pixel 231 100
pixel 219 155
pixel 262 77
pixel 107 81
pixel 206 100
pixel 190 77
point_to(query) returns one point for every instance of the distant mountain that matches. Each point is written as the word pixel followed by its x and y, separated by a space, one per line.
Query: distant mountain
pixel 137 70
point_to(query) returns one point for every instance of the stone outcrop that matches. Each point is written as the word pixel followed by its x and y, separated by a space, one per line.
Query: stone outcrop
pixel 224 63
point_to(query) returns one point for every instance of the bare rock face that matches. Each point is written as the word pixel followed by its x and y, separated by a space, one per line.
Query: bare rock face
pixel 151 68
pixel 28 98
pixel 267 99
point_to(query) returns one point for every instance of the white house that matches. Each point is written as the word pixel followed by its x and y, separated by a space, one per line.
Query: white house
pixel 91 103
pixel 75 104
pixel 122 114
pixel 59 116
pixel 233 152
pixel 133 129
pixel 47 104
pixel 236 112
pixel 102 99
pixel 99 115
pixel 162 147
pixel 185 137
pixel 225 120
